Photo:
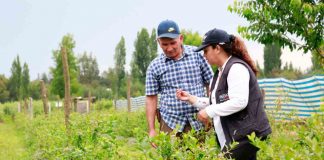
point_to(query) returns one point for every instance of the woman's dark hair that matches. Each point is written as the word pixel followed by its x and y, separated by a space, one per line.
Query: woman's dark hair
pixel 237 48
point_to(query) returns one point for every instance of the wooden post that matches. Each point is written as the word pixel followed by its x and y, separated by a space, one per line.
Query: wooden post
pixel 44 97
pixel 89 101
pixel 128 94
pixel 66 88
pixel 19 108
pixel 49 108
pixel 25 106
pixel 31 111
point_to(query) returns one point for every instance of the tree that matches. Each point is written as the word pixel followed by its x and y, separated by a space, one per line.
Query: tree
pixel 88 68
pixel 34 89
pixel 15 80
pixel 153 44
pixel 272 53
pixel 120 61
pixel 288 72
pixel 145 52
pixel 44 78
pixel 282 21
pixel 191 38
pixel 260 70
pixel 4 93
pixel 57 83
pixel 318 62
pixel 110 77
pixel 25 80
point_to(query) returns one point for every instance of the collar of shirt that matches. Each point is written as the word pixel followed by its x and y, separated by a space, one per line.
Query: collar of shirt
pixel 220 69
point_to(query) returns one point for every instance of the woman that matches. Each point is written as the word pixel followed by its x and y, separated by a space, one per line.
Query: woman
pixel 235 102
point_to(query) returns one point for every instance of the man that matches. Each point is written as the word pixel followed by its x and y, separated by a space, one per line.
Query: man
pixel 178 67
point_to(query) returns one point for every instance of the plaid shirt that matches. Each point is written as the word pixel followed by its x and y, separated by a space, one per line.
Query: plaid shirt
pixel 164 75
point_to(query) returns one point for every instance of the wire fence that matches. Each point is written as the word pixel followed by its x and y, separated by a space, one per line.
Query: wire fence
pixel 283 97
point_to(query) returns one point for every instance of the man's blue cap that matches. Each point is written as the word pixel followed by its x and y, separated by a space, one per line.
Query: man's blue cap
pixel 168 29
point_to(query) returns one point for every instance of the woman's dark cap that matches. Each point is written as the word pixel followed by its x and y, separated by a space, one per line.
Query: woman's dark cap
pixel 214 36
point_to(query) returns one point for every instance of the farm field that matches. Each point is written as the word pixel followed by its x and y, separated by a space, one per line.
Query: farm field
pixel 111 134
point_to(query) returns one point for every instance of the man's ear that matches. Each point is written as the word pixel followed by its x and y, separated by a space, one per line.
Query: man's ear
pixel 158 41
pixel 181 37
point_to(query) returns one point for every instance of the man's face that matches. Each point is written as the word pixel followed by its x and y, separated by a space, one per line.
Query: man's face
pixel 171 47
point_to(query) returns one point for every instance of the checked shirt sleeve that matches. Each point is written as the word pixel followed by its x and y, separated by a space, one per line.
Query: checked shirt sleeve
pixel 151 83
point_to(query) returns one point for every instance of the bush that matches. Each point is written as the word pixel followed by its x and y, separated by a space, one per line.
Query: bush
pixel 8 111
pixel 103 104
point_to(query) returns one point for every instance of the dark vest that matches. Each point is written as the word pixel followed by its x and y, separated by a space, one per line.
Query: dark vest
pixel 252 118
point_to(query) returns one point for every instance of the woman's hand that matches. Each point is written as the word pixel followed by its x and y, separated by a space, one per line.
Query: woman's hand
pixel 203 116
pixel 182 95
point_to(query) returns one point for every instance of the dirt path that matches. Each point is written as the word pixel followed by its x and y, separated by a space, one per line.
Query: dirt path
pixel 11 146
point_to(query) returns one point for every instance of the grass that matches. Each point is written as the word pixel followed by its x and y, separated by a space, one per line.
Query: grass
pixel 11 146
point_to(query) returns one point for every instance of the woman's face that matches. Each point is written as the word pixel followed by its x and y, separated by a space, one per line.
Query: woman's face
pixel 210 54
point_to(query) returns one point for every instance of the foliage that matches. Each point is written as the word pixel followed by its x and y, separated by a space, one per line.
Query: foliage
pixel 57 83
pixel 191 38
pixel 103 104
pixel 45 78
pixel 260 71
pixel 88 68
pixel 282 21
pixel 318 62
pixel 15 79
pixel 110 79
pixel 272 61
pixel 35 89
pixel 137 88
pixel 97 91
pixel 145 52
pixel 4 93
pixel 109 134
pixel 153 44
pixel 120 61
pixel 25 80
pixel 299 142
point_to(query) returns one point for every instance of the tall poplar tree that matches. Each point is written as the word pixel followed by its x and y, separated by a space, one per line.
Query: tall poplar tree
pixel 15 80
pixel 145 52
pixel 57 83
pixel 88 68
pixel 272 53
pixel 25 81
pixel 4 93
pixel 120 61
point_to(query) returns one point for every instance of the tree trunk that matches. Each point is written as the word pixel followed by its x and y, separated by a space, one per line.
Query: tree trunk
pixel 128 94
pixel 25 106
pixel 67 89
pixel 31 110
pixel 44 97
pixel 89 101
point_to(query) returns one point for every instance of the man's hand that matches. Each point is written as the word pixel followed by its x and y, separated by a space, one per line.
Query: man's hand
pixel 152 133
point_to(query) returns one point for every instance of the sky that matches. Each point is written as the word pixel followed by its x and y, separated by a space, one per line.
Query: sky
pixel 32 29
